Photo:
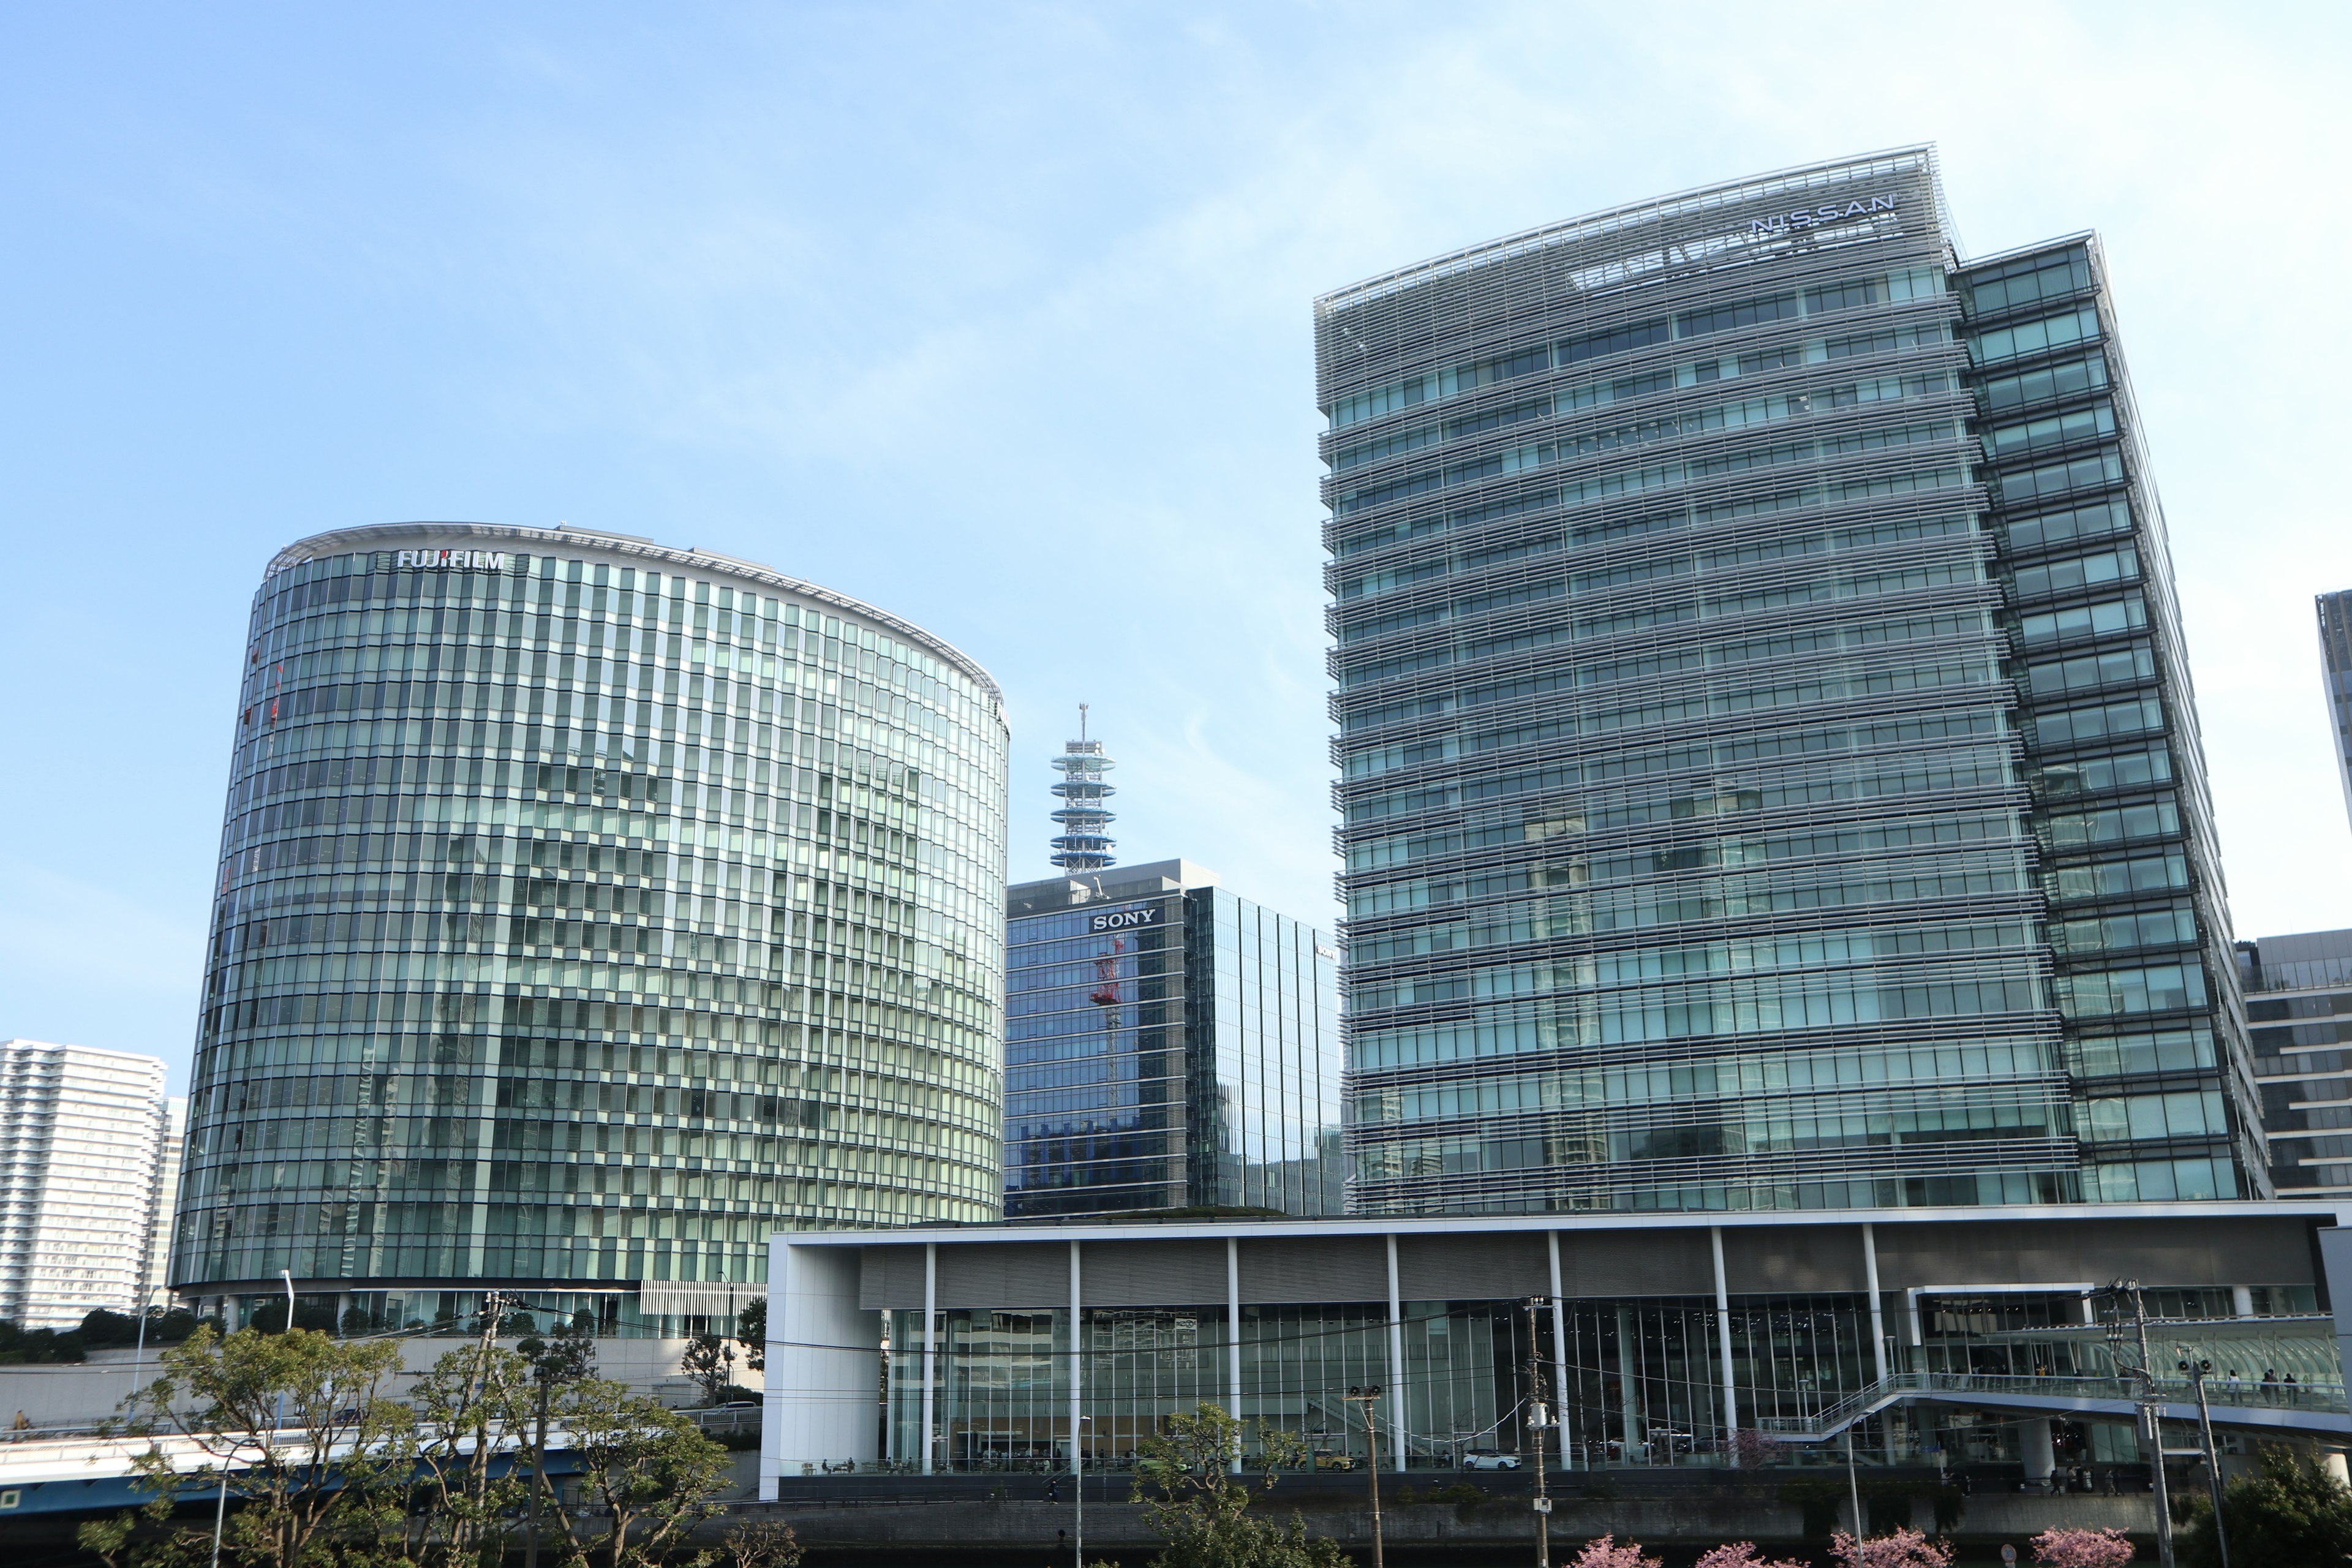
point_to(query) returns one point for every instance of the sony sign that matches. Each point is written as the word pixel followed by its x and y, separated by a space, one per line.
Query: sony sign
pixel 1128 919
pixel 1814 218
pixel 453 560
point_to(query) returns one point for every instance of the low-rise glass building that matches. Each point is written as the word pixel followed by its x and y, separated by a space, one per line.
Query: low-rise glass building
pixel 1964 1337
pixel 587 909
pixel 1168 1044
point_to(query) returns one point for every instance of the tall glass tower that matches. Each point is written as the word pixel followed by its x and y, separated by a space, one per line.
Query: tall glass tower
pixel 2334 611
pixel 587 910
pixel 1768 768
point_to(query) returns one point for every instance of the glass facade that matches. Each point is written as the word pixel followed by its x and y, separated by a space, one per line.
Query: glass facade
pixel 1729 678
pixel 586 911
pixel 2299 1016
pixel 1640 1375
pixel 2336 667
pixel 2137 920
pixel 1168 1044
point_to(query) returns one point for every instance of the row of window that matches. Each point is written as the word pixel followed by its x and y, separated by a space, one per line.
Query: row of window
pixel 1917 283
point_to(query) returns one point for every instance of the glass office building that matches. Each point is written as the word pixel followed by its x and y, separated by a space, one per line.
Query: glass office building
pixel 1168 1045
pixel 1769 775
pixel 2336 667
pixel 2299 1017
pixel 586 910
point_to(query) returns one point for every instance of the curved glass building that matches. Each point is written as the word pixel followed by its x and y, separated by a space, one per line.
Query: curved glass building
pixel 1769 771
pixel 586 911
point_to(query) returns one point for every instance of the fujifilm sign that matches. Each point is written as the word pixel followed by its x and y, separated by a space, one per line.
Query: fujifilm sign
pixel 453 560
pixel 1814 218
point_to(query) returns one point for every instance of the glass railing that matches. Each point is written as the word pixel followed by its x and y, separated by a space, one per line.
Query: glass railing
pixel 2315 1398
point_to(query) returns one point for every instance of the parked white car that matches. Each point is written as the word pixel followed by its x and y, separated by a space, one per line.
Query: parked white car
pixel 1480 1459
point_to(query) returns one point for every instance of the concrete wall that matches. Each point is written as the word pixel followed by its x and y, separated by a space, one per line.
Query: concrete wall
pixel 825 1410
pixel 883 1529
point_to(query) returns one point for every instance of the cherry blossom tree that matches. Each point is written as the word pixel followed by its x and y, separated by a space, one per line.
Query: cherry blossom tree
pixel 1743 1555
pixel 1606 1554
pixel 1900 1548
pixel 2082 1548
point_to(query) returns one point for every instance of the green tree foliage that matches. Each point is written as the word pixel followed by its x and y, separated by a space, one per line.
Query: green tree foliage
pixel 1184 1478
pixel 2293 1514
pixel 353 1478
pixel 761 1543
pixel 751 1332
pixel 473 1413
pixel 563 1359
pixel 648 1476
pixel 20 1346
pixel 297 1428
pixel 711 1361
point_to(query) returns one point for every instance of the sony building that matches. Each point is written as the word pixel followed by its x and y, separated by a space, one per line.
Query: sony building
pixel 1168 1045
pixel 1769 771
pixel 586 910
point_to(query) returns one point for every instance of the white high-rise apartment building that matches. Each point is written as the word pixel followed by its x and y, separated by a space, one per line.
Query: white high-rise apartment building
pixel 82 1171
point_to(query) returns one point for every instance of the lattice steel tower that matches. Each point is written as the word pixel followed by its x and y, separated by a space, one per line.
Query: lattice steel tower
pixel 1082 845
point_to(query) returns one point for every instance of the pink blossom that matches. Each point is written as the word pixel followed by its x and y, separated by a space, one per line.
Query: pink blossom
pixel 1742 1554
pixel 1899 1548
pixel 2082 1548
pixel 1606 1554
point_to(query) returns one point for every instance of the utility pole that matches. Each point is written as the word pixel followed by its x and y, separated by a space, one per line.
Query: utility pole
pixel 2197 1367
pixel 1369 1398
pixel 1534 1427
pixel 2150 1410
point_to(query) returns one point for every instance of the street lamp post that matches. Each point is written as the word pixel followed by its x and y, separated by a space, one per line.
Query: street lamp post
pixel 139 1346
pixel 1368 1397
pixel 1078 1484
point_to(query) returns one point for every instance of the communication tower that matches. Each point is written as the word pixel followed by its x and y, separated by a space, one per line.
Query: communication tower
pixel 1082 845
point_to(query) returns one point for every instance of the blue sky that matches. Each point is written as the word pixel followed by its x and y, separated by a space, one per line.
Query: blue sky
pixel 998 316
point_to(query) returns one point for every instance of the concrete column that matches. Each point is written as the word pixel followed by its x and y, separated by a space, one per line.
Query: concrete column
pixel 1723 1338
pixel 1629 1398
pixel 1559 1353
pixel 2035 1445
pixel 1234 1338
pixel 1396 1363
pixel 930 1352
pixel 2242 1301
pixel 1877 1307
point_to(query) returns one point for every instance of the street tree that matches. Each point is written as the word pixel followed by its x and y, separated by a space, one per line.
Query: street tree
pixel 473 1412
pixel 2073 1547
pixel 647 1477
pixel 751 1332
pixel 560 1360
pixel 2291 1514
pixel 1899 1548
pixel 761 1543
pixel 1184 1478
pixel 1606 1552
pixel 297 1430
pixel 709 1361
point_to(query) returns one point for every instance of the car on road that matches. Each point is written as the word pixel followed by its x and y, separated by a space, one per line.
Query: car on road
pixel 1485 1459
pixel 1327 1460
